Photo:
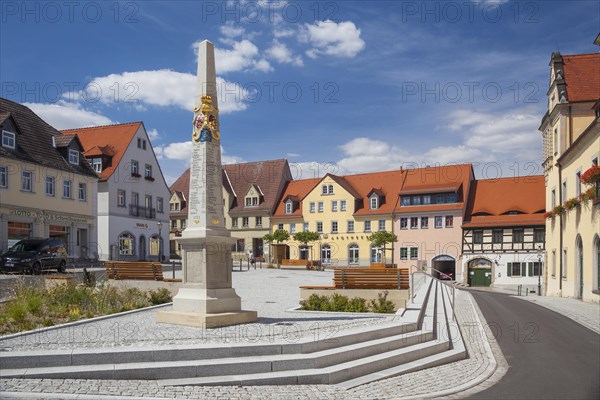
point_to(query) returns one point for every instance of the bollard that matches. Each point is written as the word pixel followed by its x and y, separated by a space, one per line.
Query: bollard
pixel 248 267
pixel 240 264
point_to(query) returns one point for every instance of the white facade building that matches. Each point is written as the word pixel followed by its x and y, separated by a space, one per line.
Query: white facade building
pixel 133 218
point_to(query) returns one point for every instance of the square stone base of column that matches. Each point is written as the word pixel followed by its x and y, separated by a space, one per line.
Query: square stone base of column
pixel 209 321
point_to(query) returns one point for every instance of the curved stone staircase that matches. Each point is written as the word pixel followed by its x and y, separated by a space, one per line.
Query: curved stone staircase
pixel 425 336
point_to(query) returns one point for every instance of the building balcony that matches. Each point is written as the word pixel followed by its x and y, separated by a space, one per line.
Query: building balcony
pixel 143 212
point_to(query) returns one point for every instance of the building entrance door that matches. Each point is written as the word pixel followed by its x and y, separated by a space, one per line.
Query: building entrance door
pixel 480 273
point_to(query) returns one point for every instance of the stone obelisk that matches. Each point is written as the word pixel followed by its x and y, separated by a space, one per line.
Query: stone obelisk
pixel 206 298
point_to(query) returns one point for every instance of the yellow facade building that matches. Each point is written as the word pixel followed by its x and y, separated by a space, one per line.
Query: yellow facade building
pixel 47 188
pixel 571 146
pixel 345 211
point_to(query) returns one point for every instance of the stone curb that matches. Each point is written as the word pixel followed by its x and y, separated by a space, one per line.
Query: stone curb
pixel 80 322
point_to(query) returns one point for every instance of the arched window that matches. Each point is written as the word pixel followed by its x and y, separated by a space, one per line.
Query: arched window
pixel 330 189
pixel 597 260
pixel 376 254
pixel 324 189
pixel 326 254
pixel 155 245
pixel 126 244
pixel 353 254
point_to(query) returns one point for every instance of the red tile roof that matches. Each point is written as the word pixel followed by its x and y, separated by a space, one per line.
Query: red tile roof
pixel 238 178
pixel 582 76
pixel 115 137
pixel 491 200
pixel 390 184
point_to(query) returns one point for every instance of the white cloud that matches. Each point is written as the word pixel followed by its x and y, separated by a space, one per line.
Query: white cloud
pixel 282 54
pixel 160 88
pixel 181 151
pixel 66 115
pixel 230 30
pixel 333 39
pixel 153 134
pixel 243 56
pixel 368 155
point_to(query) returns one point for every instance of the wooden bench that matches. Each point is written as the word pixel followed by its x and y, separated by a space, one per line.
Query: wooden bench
pixel 367 278
pixel 294 262
pixel 136 270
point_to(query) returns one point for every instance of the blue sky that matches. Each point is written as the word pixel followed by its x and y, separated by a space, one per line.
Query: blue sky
pixel 343 87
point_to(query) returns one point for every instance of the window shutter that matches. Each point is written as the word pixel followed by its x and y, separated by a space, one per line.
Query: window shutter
pixel 509 269
pixel 530 268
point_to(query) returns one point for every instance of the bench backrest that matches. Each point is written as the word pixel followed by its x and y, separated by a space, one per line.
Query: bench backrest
pixel 371 278
pixel 136 270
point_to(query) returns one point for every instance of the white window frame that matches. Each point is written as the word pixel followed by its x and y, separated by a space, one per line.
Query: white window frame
pixel 441 222
pixel 73 157
pixel 342 205
pixel 578 182
pixel 334 205
pixel 451 219
pixel 50 183
pixel 320 207
pixel 324 189
pixel 292 229
pixel 27 181
pixel 381 225
pixel 11 139
pixel 374 202
pixel 334 227
pixel 414 253
pixel 404 223
pixel 67 189
pixel 246 222
pixel 305 226
pixel 319 227
pixel 405 251
pixel 121 198
pixel 3 176
pixel 367 226
pixel 330 189
pixel 426 224
pixel 148 171
pixel 312 207
pixel 135 167
pixel 159 205
pixel 81 186
pixel 350 226
pixel 289 207
pixel 258 221
pixel 414 226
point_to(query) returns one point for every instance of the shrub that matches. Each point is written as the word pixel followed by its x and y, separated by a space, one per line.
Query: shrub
pixel 357 304
pixel 382 304
pixel 315 303
pixel 338 302
pixel 160 296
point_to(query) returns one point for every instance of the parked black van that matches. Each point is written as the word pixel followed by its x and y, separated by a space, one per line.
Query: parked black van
pixel 35 255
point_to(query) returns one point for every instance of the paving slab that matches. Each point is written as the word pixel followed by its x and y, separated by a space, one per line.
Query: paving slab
pixel 249 285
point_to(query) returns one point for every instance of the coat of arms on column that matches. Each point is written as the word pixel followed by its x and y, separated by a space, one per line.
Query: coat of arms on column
pixel 206 125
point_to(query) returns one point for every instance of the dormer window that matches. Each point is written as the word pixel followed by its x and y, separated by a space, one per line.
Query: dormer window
pixel 251 201
pixel 97 164
pixel 374 202
pixel 8 139
pixel 73 157
pixel 289 207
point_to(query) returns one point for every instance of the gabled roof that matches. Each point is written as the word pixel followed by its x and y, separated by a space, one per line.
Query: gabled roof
pixel 491 199
pixel 298 189
pixel 340 180
pixel 266 176
pixel 437 179
pixel 582 76
pixel 34 142
pixel 117 137
pixel 181 187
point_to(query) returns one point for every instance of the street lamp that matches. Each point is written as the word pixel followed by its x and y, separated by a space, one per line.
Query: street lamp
pixel 540 253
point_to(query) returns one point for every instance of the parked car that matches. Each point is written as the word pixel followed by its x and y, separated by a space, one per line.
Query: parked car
pixel 35 255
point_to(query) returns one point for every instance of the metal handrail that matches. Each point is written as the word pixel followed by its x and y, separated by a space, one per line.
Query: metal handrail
pixel 439 280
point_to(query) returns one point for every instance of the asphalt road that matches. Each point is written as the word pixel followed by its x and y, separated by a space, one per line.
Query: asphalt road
pixel 549 356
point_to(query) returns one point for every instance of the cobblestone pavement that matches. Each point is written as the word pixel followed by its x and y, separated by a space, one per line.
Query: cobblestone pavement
pixel 433 382
pixel 586 314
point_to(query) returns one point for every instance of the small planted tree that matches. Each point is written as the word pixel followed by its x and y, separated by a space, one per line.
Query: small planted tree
pixel 277 237
pixel 381 239
pixel 306 237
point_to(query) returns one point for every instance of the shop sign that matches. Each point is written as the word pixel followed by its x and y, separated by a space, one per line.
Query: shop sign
pixel 47 216
pixel 140 225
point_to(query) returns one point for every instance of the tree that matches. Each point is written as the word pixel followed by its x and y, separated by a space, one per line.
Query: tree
pixel 305 237
pixel 381 238
pixel 278 236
